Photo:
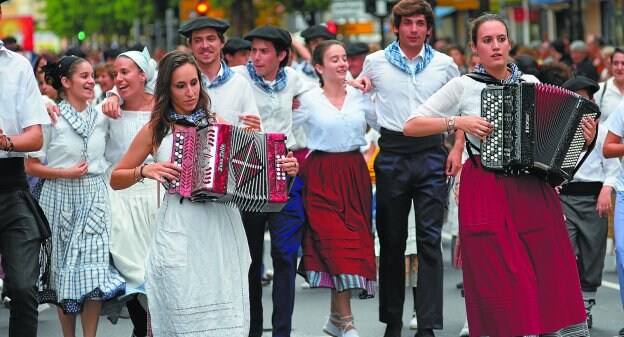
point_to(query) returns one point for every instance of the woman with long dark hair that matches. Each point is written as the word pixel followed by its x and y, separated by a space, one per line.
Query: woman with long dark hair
pixel 196 270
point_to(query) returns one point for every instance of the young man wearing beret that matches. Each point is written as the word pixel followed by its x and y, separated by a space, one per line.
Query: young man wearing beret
pixel 236 51
pixel 274 86
pixel 586 202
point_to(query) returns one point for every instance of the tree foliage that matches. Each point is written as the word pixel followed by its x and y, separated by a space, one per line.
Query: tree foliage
pixel 66 17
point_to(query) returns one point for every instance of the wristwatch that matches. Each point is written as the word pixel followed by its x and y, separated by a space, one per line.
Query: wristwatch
pixel 451 124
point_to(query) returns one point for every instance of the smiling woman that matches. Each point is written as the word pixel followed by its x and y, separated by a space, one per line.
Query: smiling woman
pixel 75 200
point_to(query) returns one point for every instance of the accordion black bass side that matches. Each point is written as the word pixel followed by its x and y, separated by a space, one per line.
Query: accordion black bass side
pixel 537 130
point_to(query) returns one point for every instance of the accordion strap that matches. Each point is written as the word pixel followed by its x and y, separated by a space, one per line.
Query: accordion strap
pixel 486 78
pixel 469 147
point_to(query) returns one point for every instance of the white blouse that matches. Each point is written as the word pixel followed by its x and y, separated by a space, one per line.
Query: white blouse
pixel 331 129
pixel 121 133
pixel 63 146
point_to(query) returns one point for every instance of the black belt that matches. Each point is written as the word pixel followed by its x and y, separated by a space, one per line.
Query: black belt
pixel 581 188
pixel 397 142
pixel 12 174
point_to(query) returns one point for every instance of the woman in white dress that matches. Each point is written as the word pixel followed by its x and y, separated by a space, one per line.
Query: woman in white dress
pixel 135 207
pixel 196 272
pixel 75 199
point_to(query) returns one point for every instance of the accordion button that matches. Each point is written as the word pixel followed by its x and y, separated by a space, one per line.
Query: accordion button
pixel 181 136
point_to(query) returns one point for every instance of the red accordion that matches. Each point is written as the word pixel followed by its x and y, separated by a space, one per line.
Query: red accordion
pixel 229 164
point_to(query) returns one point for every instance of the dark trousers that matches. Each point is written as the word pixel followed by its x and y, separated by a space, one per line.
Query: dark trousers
pixel 403 179
pixel 20 243
pixel 588 233
pixel 285 230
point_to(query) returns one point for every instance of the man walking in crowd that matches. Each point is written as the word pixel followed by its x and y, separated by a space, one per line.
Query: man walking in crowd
pixel 236 51
pixel 23 225
pixel 274 87
pixel 410 170
pixel 586 202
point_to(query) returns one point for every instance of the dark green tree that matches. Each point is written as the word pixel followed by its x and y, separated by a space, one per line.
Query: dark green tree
pixel 67 17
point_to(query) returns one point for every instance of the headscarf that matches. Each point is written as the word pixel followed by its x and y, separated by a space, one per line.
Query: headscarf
pixel 145 62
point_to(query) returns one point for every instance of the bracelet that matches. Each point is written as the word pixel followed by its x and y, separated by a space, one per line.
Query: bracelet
pixel 141 173
pixel 9 146
pixel 134 175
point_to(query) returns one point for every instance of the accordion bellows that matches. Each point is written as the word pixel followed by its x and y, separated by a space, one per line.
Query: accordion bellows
pixel 537 130
pixel 228 164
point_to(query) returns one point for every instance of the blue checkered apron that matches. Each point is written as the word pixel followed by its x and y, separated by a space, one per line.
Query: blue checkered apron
pixel 79 214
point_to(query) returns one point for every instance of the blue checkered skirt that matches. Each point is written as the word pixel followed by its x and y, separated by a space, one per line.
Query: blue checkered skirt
pixel 79 214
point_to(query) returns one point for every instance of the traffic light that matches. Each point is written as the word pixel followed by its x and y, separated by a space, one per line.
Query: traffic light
pixel 202 7
pixel 81 36
pixel 332 27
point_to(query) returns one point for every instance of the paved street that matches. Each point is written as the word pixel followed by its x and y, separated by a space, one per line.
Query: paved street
pixel 312 308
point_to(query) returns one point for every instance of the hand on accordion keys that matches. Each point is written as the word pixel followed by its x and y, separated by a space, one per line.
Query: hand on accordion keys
pixel 161 172
pixel 589 129
pixel 289 164
pixel 474 125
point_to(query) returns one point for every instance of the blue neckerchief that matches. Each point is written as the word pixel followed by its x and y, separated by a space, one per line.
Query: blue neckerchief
pixel 196 118
pixel 220 79
pixel 280 80
pixel 83 123
pixel 515 72
pixel 308 69
pixel 394 56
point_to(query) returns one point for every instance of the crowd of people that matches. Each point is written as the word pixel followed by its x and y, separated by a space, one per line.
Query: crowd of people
pixel 85 161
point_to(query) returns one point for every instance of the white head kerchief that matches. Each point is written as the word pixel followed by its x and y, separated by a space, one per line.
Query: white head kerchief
pixel 145 63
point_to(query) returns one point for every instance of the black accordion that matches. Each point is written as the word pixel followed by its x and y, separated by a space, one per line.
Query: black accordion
pixel 537 130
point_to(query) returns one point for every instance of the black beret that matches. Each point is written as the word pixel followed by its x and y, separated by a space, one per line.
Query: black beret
pixel 280 37
pixel 1 1
pixel 357 48
pixel 235 44
pixel 581 83
pixel 317 31
pixel 201 23
pixel 75 51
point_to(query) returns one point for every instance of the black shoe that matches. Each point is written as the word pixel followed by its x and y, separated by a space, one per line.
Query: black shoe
pixel 424 333
pixel 621 333
pixel 393 330
pixel 265 282
pixel 460 285
pixel 588 306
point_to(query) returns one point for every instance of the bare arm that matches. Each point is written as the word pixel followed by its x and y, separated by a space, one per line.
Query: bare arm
pixel 30 140
pixel 35 168
pixel 130 169
pixel 427 126
pixel 613 146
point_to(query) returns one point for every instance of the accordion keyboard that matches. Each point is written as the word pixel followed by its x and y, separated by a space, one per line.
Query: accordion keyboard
pixel 492 148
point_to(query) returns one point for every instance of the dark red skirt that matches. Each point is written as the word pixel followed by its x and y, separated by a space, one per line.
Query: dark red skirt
pixel 520 275
pixel 337 198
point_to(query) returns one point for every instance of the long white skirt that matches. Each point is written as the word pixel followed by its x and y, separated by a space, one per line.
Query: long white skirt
pixel 197 268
